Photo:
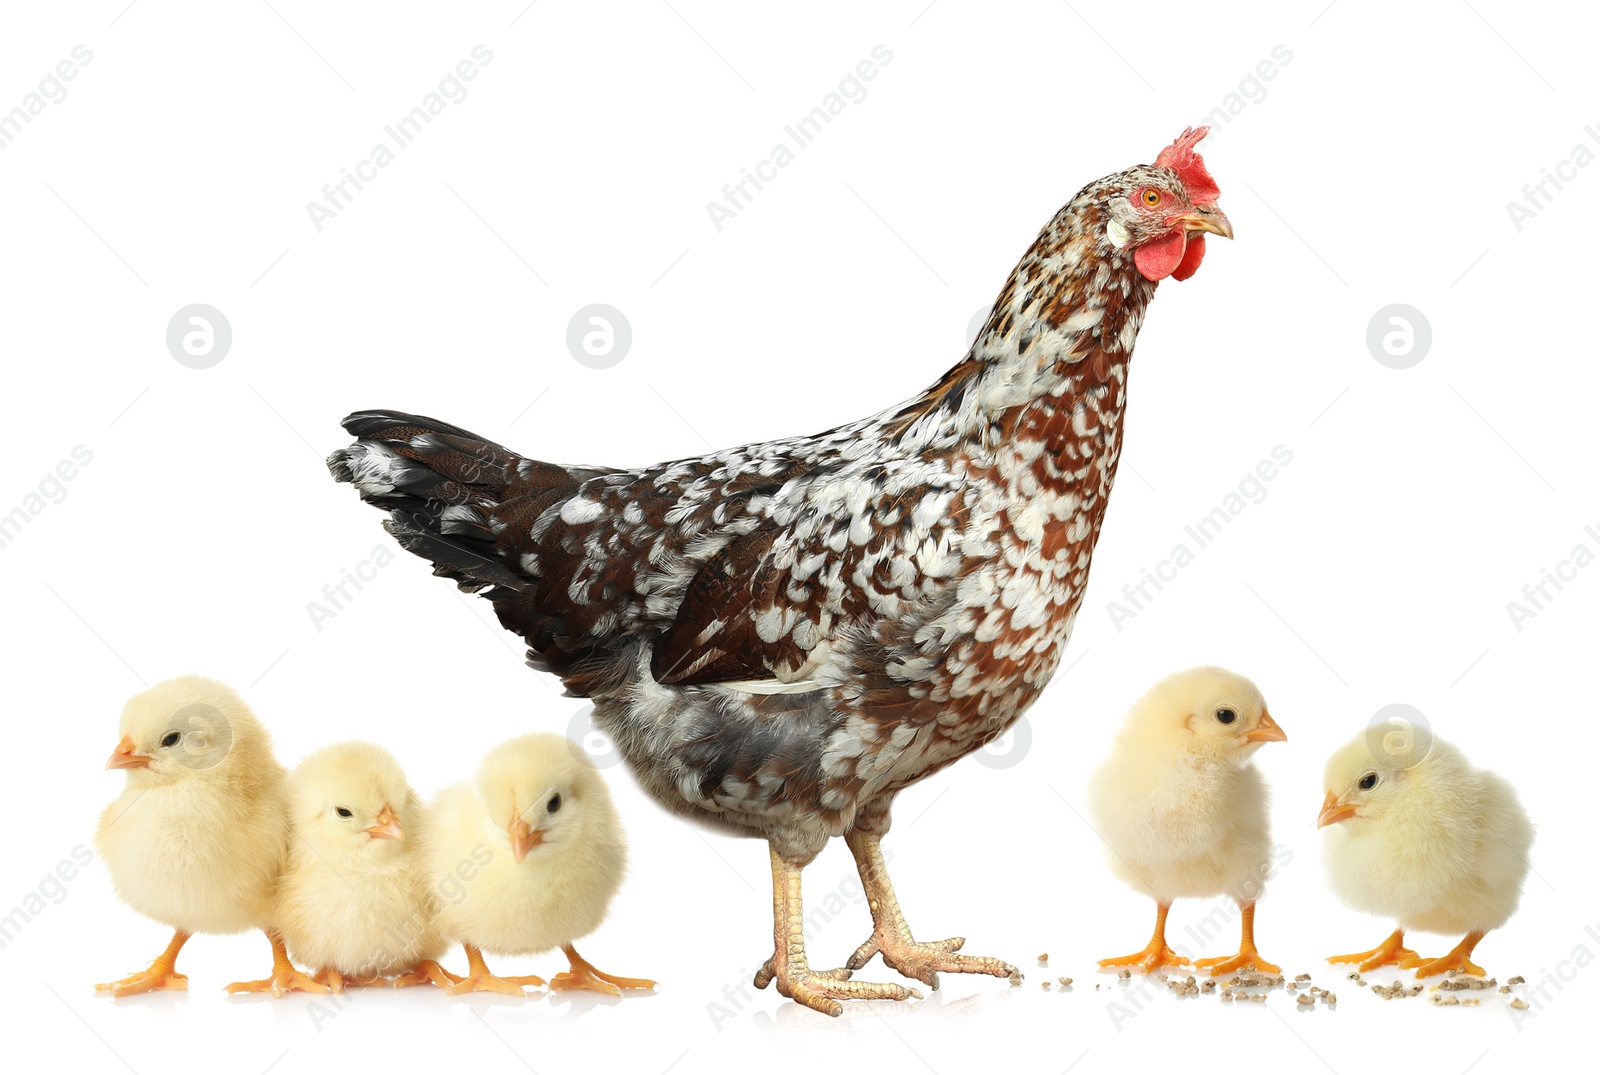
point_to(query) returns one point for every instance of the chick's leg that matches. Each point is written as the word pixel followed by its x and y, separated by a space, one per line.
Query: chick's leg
pixel 1392 950
pixel 479 980
pixel 1248 956
pixel 584 975
pixel 160 974
pixel 285 978
pixel 891 937
pixel 427 972
pixel 790 969
pixel 1458 958
pixel 336 980
pixel 1154 955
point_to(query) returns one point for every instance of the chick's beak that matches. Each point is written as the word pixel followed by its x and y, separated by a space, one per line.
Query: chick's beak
pixel 124 757
pixel 1207 218
pixel 388 826
pixel 523 839
pixel 1266 732
pixel 1334 811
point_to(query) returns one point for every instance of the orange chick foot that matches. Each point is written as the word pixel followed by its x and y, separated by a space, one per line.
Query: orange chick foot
pixel 1457 959
pixel 336 981
pixel 149 980
pixel 1392 950
pixel 584 975
pixel 1153 956
pixel 479 980
pixel 285 977
pixel 427 972
pixel 1247 957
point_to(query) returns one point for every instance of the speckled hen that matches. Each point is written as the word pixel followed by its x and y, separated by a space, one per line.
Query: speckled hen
pixel 782 636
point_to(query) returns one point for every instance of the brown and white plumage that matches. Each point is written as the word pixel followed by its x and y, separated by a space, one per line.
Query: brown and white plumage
pixel 781 636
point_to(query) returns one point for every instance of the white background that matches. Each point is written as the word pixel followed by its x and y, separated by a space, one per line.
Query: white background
pixel 1375 169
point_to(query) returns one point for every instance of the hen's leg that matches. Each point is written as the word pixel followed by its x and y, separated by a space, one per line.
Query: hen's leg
pixel 285 978
pixel 160 974
pixel 1155 954
pixel 796 980
pixel 1458 958
pixel 1248 956
pixel 1392 950
pixel 584 975
pixel 891 937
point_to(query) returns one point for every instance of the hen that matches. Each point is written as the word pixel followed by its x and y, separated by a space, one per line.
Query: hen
pixel 780 637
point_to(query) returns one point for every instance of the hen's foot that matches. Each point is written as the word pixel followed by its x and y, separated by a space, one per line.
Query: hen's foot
pixel 924 960
pixel 1392 950
pixel 285 977
pixel 1457 959
pixel 821 993
pixel 891 936
pixel 768 972
pixel 479 980
pixel 160 974
pixel 427 972
pixel 584 975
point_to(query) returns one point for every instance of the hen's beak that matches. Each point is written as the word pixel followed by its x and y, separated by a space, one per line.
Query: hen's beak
pixel 388 826
pixel 1334 811
pixel 1266 732
pixel 1207 218
pixel 124 757
pixel 523 839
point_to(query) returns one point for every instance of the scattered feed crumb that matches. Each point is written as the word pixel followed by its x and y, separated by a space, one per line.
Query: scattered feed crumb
pixel 1518 1003
pixel 1064 982
pixel 1043 958
pixel 1518 980
pixel 1302 977
pixel 1124 974
pixel 1505 989
pixel 1304 1000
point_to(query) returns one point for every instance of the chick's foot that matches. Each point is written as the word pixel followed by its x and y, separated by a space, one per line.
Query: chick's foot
pixel 428 972
pixel 160 974
pixel 336 981
pixel 1457 959
pixel 1392 950
pixel 818 990
pixel 479 980
pixel 584 975
pixel 1154 955
pixel 1247 957
pixel 891 936
pixel 285 977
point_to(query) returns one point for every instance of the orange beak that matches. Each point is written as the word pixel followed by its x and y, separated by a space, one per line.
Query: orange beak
pixel 523 839
pixel 388 826
pixel 1266 732
pixel 1334 811
pixel 124 757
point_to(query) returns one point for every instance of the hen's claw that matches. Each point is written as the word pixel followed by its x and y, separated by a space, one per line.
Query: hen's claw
pixel 924 960
pixel 821 993
pixel 768 972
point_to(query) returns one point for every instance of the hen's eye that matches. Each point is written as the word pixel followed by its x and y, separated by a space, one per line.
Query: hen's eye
pixel 1152 198
pixel 170 739
pixel 1226 716
pixel 342 811
pixel 553 805
pixel 1368 782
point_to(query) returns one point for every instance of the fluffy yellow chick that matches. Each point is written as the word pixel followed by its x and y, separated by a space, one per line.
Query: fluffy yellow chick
pixel 536 846
pixel 197 838
pixel 353 901
pixel 1436 845
pixel 1182 810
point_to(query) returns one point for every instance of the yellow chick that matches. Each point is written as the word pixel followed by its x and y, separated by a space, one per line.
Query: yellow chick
pixel 1182 810
pixel 1435 844
pixel 538 850
pixel 353 901
pixel 197 838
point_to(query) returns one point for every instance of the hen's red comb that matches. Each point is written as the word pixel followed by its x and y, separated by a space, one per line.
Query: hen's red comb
pixel 1181 158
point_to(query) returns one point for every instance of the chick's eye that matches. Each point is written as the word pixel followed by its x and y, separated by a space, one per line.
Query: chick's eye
pixel 1151 197
pixel 1226 716
pixel 170 739
pixel 1368 782
pixel 342 811
pixel 553 805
